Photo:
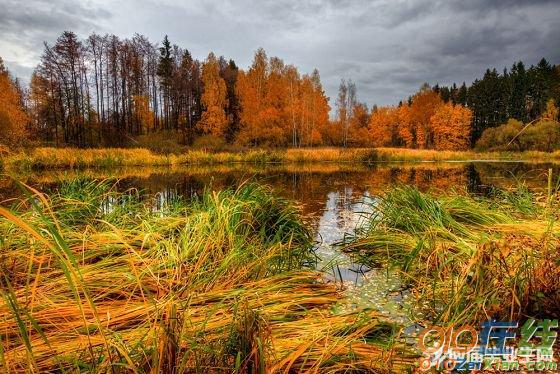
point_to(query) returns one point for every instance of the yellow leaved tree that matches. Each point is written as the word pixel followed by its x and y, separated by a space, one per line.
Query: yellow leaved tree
pixel 214 99
pixel 451 127
pixel 13 119
pixel 551 111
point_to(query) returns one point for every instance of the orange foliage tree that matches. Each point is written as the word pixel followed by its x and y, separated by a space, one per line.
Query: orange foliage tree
pixel 423 107
pixel 451 126
pixel 13 119
pixel 311 111
pixel 383 127
pixel 358 133
pixel 255 127
pixel 319 108
pixel 405 130
pixel 391 127
pixel 214 100
pixel 425 123
pixel 278 106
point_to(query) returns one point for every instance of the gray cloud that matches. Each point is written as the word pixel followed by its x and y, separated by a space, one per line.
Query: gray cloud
pixel 388 47
pixel 25 25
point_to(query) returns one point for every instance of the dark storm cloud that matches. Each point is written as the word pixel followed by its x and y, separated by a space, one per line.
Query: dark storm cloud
pixel 39 16
pixel 25 25
pixel 388 47
pixel 445 42
pixel 482 6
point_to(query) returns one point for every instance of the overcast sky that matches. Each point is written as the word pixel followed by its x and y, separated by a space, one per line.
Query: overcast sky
pixel 388 47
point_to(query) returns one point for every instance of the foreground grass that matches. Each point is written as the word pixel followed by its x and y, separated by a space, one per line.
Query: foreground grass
pixel 97 281
pixel 468 259
pixel 70 158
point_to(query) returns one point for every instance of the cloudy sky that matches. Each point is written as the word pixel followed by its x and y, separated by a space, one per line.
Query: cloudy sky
pixel 388 47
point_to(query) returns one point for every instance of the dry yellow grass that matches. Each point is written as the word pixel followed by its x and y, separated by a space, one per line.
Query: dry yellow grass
pixel 70 158
pixel 469 259
pixel 216 285
pixel 405 154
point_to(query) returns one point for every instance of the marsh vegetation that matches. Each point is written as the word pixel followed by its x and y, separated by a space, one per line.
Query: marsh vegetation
pixel 96 280
pixel 198 270
pixel 78 159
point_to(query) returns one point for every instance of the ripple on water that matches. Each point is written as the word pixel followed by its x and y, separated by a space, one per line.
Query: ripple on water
pixel 378 289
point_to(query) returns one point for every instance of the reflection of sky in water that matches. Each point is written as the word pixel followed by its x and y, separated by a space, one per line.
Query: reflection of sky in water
pixel 159 201
pixel 341 216
pixel 379 289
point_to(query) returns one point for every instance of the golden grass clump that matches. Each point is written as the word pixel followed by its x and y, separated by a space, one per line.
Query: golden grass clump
pixel 468 258
pixel 99 281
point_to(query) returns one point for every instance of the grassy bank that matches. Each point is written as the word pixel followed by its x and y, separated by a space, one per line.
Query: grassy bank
pixel 51 158
pixel 468 259
pixel 69 158
pixel 99 281
pixel 419 155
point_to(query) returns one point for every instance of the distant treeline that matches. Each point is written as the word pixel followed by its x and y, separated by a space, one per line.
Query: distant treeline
pixel 518 93
pixel 442 117
pixel 105 91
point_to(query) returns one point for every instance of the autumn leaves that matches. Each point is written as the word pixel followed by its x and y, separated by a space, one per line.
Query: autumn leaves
pixel 278 106
pixel 271 104
pixel 105 91
pixel 451 126
pixel 13 118
pixel 426 123
pixel 213 121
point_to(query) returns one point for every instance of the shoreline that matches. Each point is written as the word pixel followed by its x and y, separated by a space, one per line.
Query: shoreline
pixel 74 159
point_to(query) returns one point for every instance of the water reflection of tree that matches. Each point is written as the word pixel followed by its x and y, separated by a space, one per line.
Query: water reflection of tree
pixel 509 174
pixel 308 184
pixel 422 177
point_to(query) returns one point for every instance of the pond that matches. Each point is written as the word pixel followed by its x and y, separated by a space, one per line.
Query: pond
pixel 333 198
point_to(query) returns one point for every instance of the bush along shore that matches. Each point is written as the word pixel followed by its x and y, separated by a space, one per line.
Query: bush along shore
pixel 99 281
pixel 72 158
pixel 467 259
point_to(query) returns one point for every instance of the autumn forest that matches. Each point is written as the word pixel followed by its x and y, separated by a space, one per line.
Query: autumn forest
pixel 105 92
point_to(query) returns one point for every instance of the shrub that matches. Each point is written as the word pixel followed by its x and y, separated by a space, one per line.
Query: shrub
pixel 543 135
pixel 497 138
